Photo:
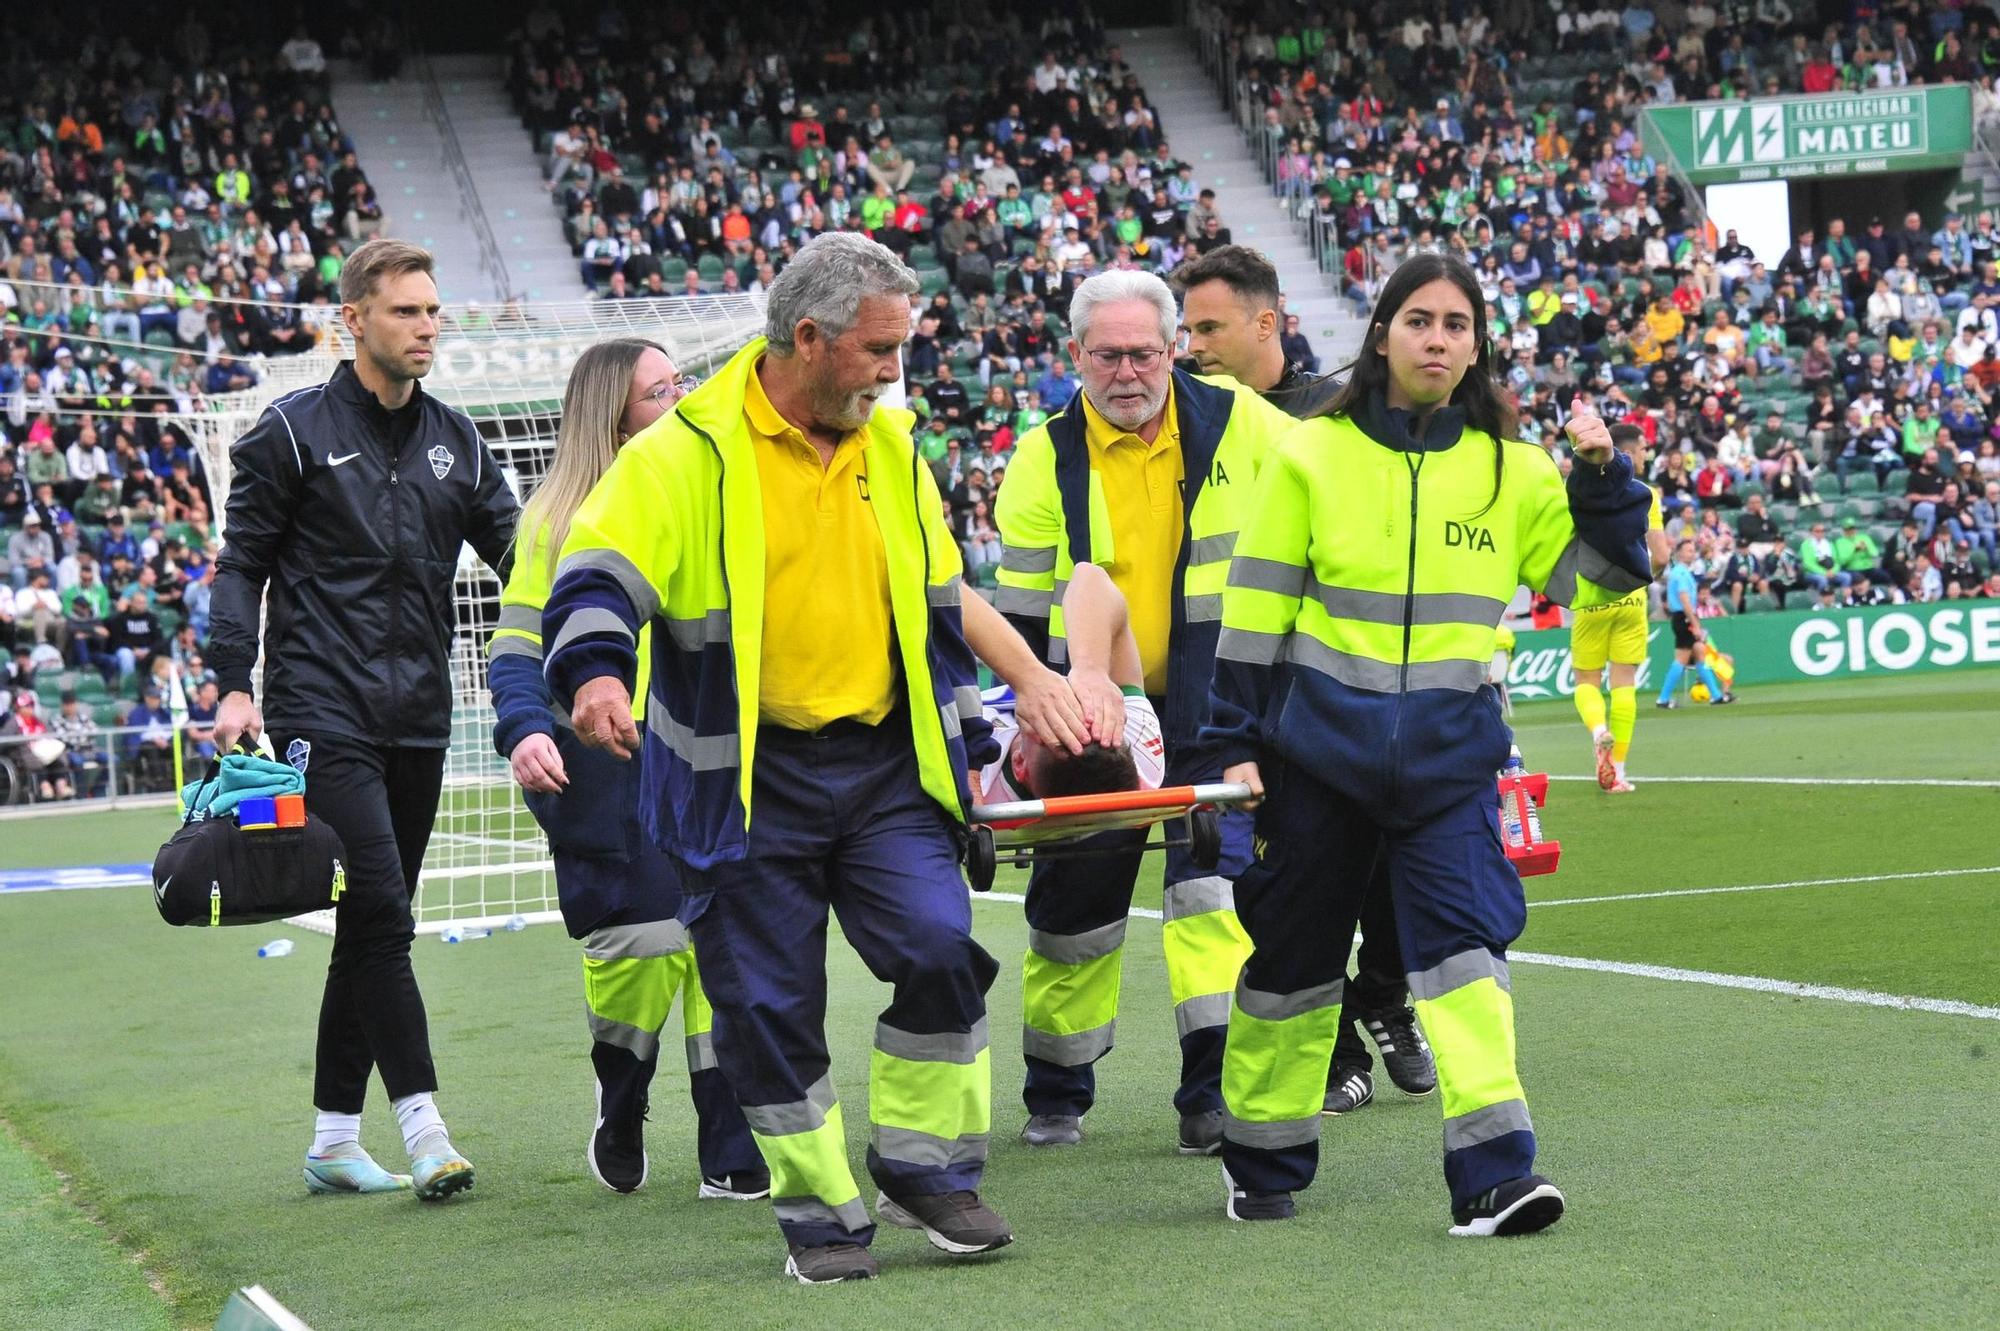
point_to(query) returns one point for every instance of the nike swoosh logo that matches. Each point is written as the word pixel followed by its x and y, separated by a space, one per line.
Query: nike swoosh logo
pixel 333 461
pixel 160 892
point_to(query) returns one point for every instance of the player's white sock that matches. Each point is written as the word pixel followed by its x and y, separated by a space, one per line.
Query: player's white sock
pixel 1599 733
pixel 419 1117
pixel 1620 769
pixel 331 1130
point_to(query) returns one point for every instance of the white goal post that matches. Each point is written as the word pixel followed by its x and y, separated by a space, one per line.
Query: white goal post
pixel 506 369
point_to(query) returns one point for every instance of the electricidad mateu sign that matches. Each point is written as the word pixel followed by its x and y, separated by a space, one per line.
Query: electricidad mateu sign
pixel 1836 134
pixel 1789 647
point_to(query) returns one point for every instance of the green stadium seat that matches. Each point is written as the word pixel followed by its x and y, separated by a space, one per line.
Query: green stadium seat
pixel 1897 483
pixel 1757 602
pixel 710 267
pixel 1863 483
pixel 934 280
pixel 673 271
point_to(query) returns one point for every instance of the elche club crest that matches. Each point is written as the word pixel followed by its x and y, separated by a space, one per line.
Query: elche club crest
pixel 441 460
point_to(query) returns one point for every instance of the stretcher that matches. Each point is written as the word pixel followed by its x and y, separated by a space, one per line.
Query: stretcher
pixel 1020 832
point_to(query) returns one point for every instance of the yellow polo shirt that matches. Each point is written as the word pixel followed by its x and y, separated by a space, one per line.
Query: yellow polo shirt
pixel 828 645
pixel 1141 483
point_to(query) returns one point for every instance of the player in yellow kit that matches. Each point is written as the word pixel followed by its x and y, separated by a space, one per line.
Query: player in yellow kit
pixel 1615 634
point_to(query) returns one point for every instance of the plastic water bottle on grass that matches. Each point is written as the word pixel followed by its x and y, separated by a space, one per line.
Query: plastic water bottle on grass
pixel 459 934
pixel 277 947
pixel 515 923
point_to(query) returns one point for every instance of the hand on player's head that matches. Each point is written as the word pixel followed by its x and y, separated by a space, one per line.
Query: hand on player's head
pixel 1047 772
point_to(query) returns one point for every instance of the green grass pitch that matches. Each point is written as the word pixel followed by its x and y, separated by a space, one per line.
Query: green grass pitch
pixel 1732 1157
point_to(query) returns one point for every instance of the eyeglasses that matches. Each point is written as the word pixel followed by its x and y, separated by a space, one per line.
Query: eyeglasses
pixel 666 394
pixel 1108 360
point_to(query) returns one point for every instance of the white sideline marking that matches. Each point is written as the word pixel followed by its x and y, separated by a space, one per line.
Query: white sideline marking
pixel 1951 782
pixel 1949 1007
pixel 1766 887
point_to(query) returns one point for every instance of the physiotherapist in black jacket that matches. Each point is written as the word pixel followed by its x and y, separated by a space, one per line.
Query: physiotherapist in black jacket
pixel 351 501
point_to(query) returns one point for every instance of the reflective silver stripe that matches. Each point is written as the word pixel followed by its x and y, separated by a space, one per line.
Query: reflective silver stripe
pixel 1197 896
pixel 1561 586
pixel 641 593
pixel 944 1047
pixel 590 619
pixel 1362 672
pixel 1023 601
pixel 922 1149
pixel 1270 1136
pixel 1203 1012
pixel 1208 549
pixel 701 1052
pixel 851 1216
pixel 795 1116
pixel 1058 649
pixel 643 1044
pixel 970 704
pixel 1061 589
pixel 618 942
pixel 1593 566
pixel 522 618
pixel 1076 949
pixel 511 646
pixel 1457 971
pixel 1250 646
pixel 1483 1125
pixel 1283 1007
pixel 1425 608
pixel 691 635
pixel 704 753
pixel 1267 575
pixel 1068 1051
pixel 949 592
pixel 948 717
pixel 1028 558
pixel 1204 609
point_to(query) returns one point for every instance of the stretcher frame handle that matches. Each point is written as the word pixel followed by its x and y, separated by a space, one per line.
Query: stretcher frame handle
pixel 1169 800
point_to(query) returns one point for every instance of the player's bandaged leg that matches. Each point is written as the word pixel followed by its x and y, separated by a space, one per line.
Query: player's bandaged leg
pixel 1590 706
pixel 1624 715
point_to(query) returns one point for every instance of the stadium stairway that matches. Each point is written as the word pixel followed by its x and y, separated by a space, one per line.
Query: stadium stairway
pixel 1201 132
pixel 402 152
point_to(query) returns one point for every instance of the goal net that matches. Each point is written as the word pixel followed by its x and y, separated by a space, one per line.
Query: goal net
pixel 506 369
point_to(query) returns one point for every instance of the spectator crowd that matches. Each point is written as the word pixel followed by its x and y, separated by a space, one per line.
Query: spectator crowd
pixel 1822 422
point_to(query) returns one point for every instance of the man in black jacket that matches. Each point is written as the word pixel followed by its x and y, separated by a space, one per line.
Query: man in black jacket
pixel 351 500
pixel 1229 307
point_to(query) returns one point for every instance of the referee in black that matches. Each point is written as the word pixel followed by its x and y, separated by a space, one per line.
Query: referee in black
pixel 1229 307
pixel 350 501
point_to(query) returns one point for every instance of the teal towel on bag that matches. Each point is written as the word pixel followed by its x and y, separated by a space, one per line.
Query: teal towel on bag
pixel 243 776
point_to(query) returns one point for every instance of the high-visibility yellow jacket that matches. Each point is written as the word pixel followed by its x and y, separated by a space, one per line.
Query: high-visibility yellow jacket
pixel 673 536
pixel 1359 620
pixel 1052 516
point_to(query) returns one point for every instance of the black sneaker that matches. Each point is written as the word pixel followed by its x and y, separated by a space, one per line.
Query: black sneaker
pixel 954 1222
pixel 1352 1089
pixel 1722 701
pixel 745 1185
pixel 831 1264
pixel 617 1150
pixel 1201 1134
pixel 1518 1206
pixel 1406 1056
pixel 1242 1204
pixel 1666 704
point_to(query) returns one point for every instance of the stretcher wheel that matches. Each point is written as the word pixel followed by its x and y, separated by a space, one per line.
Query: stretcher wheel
pixel 1205 838
pixel 980 861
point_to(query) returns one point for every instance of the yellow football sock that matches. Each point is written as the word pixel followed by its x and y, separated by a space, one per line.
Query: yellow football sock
pixel 1624 715
pixel 1590 705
